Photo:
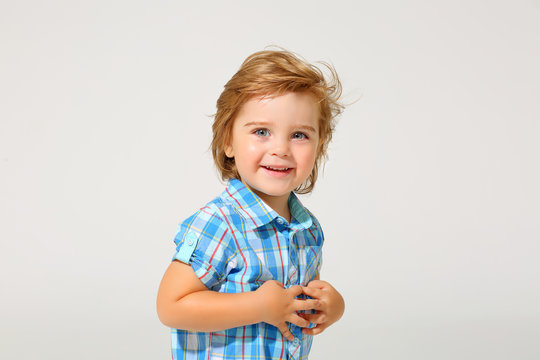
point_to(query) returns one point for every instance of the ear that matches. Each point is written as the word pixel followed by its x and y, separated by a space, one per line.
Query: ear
pixel 229 151
pixel 227 143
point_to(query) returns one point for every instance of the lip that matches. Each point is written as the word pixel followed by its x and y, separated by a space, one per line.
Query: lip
pixel 277 167
pixel 277 173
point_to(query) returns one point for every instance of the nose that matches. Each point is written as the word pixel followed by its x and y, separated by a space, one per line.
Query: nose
pixel 280 147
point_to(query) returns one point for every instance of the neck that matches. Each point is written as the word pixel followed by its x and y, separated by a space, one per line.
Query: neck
pixel 279 204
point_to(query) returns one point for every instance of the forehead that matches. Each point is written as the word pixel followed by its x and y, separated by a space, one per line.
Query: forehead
pixel 294 108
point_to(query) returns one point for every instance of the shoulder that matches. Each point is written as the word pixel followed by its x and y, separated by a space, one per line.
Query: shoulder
pixel 314 220
pixel 211 212
pixel 204 241
pixel 212 220
pixel 315 231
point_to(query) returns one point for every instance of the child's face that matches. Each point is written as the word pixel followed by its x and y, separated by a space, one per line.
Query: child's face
pixel 274 143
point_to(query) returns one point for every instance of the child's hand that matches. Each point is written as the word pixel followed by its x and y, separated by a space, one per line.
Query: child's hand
pixel 331 308
pixel 279 305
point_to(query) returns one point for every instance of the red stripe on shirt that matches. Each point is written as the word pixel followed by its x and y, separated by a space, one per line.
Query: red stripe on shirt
pixel 209 345
pixel 219 243
pixel 314 238
pixel 238 247
pixel 282 348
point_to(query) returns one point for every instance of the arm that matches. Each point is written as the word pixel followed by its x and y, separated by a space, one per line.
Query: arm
pixel 184 302
pixel 331 309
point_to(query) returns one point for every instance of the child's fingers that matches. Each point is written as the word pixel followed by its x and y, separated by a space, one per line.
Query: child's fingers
pixel 314 331
pixel 318 318
pixel 309 304
pixel 284 330
pixel 317 284
pixel 295 290
pixel 312 291
pixel 298 321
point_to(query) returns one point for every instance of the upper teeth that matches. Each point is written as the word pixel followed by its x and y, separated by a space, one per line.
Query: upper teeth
pixel 269 167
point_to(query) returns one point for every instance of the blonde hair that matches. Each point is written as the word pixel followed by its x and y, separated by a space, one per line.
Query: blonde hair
pixel 273 73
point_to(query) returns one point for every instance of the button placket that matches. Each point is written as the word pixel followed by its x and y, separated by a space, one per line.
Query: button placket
pixel 293 275
pixel 294 348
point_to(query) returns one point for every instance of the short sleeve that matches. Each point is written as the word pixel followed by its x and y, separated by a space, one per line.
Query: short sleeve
pixel 202 241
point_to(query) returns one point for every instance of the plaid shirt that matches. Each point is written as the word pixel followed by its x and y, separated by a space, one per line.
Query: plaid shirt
pixel 234 244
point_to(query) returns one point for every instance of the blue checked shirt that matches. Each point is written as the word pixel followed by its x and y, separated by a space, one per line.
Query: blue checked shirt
pixel 234 244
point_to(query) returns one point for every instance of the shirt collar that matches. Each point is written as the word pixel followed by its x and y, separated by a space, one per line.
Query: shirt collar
pixel 256 212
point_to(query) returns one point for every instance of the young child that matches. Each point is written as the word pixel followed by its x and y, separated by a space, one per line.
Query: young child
pixel 244 281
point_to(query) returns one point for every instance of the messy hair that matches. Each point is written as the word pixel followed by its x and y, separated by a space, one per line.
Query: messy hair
pixel 273 73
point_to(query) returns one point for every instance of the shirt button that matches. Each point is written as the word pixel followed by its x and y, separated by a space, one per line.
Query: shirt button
pixel 296 342
pixel 190 238
pixel 280 221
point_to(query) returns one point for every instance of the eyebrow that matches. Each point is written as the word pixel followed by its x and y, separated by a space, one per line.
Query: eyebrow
pixel 262 123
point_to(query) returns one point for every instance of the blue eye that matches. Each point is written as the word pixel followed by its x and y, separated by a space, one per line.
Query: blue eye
pixel 299 136
pixel 262 132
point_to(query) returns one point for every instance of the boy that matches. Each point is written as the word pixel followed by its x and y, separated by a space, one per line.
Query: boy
pixel 244 282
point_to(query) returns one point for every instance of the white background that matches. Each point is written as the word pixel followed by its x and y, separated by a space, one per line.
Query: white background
pixel 429 202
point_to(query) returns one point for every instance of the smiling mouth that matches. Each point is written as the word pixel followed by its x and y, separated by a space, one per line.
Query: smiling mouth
pixel 276 169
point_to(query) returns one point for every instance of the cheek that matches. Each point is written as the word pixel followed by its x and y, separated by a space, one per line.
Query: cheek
pixel 307 158
pixel 250 155
pixel 252 149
